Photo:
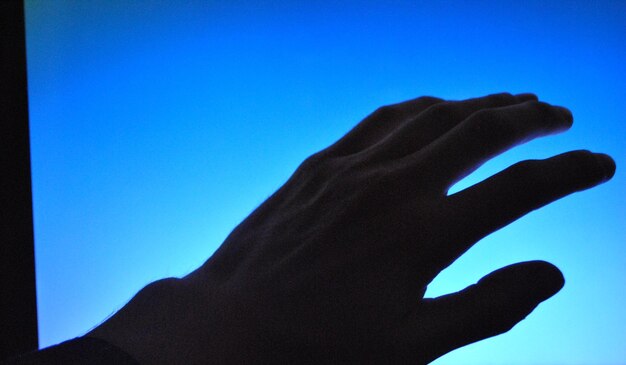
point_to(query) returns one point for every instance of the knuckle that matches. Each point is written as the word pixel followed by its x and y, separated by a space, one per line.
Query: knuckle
pixel 492 120
pixel 581 157
pixel 443 111
pixel 541 107
pixel 501 99
pixel 506 124
pixel 554 117
pixel 386 112
pixel 323 165
pixel 429 100
pixel 505 324
pixel 313 162
pixel 525 167
pixel 529 175
pixel 581 154
pixel 159 290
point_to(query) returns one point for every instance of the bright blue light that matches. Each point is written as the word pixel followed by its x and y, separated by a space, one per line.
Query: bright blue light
pixel 157 127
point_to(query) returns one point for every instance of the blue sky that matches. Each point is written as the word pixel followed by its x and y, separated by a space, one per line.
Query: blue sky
pixel 157 126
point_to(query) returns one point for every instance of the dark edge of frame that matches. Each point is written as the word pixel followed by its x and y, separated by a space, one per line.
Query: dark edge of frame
pixel 18 301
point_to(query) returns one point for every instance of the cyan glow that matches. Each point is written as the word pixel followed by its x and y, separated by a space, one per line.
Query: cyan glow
pixel 157 126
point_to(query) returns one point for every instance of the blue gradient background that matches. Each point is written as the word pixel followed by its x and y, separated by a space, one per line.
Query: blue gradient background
pixel 157 126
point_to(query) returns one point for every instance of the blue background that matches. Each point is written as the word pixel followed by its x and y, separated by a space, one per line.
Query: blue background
pixel 157 126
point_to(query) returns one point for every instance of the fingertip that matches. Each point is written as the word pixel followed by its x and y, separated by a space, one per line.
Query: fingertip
pixel 535 280
pixel 566 114
pixel 600 167
pixel 607 163
pixel 546 278
pixel 498 301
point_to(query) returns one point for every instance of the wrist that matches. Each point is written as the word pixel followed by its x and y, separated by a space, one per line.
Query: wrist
pixel 150 326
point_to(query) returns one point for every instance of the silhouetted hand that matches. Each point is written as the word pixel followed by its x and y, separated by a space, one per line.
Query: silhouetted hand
pixel 333 267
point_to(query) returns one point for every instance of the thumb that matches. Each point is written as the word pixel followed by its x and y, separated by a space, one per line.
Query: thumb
pixel 492 306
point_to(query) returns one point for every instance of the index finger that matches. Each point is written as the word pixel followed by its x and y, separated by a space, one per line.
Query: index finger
pixel 488 133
